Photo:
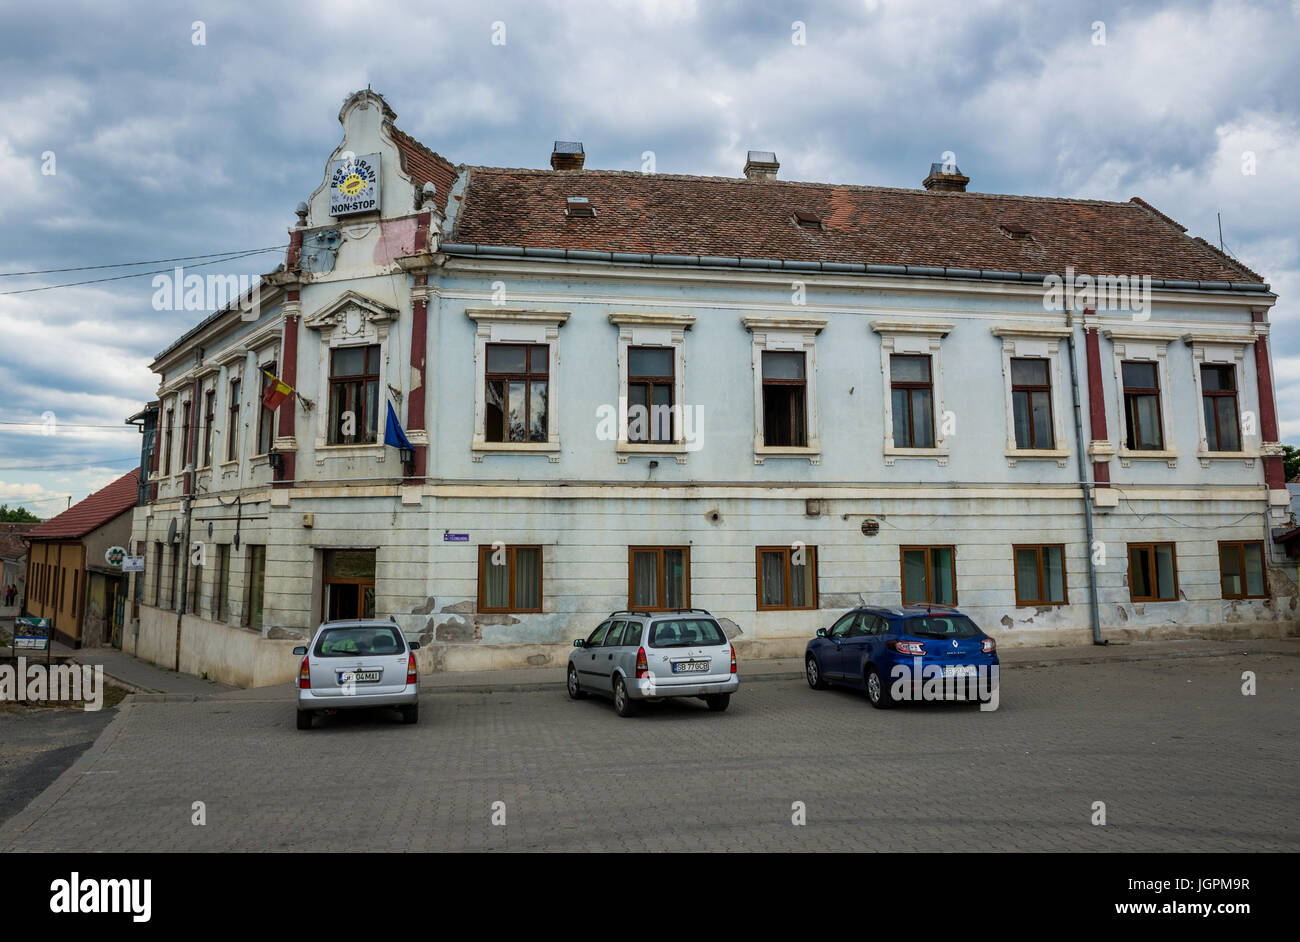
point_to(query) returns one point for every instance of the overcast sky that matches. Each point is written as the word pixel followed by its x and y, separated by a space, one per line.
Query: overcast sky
pixel 166 148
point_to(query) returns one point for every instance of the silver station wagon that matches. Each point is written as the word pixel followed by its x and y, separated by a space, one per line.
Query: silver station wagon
pixel 354 664
pixel 643 656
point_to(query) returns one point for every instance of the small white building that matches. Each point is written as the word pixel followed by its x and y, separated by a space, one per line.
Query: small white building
pixel 1055 413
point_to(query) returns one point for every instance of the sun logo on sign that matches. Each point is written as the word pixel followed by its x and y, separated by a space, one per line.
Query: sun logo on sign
pixel 353 184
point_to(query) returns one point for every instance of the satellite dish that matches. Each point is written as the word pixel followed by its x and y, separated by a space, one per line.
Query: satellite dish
pixel 171 531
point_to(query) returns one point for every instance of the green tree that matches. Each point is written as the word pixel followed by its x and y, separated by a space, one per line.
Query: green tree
pixel 23 515
pixel 1290 461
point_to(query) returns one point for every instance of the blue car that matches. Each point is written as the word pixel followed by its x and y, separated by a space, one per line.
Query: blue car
pixel 920 652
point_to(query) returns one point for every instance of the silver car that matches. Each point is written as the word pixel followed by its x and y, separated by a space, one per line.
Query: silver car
pixel 358 663
pixel 635 656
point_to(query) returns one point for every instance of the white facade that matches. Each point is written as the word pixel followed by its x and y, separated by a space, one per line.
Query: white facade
pixel 717 486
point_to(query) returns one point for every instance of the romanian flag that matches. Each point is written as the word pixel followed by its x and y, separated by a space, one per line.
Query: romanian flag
pixel 274 391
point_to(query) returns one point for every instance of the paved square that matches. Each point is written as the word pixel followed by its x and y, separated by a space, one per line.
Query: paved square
pixel 1182 760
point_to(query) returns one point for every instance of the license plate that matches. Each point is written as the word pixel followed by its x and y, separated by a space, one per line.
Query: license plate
pixel 959 670
pixel 359 677
pixel 690 667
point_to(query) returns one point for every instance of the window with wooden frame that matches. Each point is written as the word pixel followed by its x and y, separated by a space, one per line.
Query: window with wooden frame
pixel 1040 574
pixel 209 420
pixel 354 395
pixel 1152 572
pixel 1143 426
pixel 221 588
pixel 168 420
pixel 266 417
pixel 1219 402
pixel 187 433
pixel 232 422
pixel 255 591
pixel 1241 570
pixel 1031 403
pixel 515 395
pixel 650 383
pixel 785 399
pixel 929 574
pixel 786 577
pixel 658 577
pixel 509 578
pixel 912 399
pixel 157 574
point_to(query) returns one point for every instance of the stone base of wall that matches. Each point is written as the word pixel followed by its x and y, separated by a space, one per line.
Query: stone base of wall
pixel 235 656
pixel 245 658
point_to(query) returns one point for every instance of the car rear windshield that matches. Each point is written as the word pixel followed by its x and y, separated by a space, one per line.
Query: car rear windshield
pixel 686 633
pixel 941 626
pixel 359 641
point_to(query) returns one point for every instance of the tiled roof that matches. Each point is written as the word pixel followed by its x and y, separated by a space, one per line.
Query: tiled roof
pixel 739 218
pixel 426 166
pixel 93 512
pixel 11 539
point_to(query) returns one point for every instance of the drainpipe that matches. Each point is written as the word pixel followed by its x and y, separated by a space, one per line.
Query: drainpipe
pixel 1093 604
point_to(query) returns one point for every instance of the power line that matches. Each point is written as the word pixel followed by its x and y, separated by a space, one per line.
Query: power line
pixel 140 274
pixel 152 261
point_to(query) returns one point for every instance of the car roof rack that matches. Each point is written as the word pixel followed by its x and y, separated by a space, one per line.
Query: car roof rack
pixel 675 611
pixel 629 611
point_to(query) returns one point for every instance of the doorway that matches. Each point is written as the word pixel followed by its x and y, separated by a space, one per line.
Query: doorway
pixel 349 584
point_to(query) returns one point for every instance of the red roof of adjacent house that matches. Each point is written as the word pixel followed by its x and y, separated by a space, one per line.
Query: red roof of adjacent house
pixel 11 539
pixel 93 512
pixel 758 219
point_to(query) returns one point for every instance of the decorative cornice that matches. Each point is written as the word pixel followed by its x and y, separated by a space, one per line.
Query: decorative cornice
pixel 768 322
pixel 929 328
pixel 652 319
pixel 517 315
pixel 1030 330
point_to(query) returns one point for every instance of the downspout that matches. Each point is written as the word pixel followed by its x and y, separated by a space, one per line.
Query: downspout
pixel 1093 604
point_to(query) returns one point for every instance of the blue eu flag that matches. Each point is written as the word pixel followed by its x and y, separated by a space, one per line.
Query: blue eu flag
pixel 393 434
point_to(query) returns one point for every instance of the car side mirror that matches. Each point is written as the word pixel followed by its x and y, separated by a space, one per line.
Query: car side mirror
pixel 300 650
pixel 415 645
pixel 821 632
pixel 580 643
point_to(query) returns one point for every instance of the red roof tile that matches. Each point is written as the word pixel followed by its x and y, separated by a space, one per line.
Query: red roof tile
pixel 731 217
pixel 11 539
pixel 426 166
pixel 93 512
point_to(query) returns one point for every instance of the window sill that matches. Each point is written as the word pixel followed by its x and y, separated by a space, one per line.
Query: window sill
pixel 1127 457
pixel 1059 455
pixel 1247 458
pixel 482 449
pixel 893 453
pixel 763 452
pixel 625 450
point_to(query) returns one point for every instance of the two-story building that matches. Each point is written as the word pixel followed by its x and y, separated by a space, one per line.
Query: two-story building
pixel 770 399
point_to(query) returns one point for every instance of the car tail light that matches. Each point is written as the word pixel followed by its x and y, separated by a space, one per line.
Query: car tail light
pixel 304 675
pixel 411 677
pixel 642 668
pixel 989 646
pixel 733 658
pixel 908 647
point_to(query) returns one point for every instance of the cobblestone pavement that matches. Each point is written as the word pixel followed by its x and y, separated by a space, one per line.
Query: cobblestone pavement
pixel 37 745
pixel 1182 760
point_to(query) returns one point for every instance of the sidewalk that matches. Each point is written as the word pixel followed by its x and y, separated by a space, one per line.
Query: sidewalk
pixel 552 678
pixel 140 676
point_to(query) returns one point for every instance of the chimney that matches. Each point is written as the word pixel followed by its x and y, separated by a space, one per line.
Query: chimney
pixel 946 177
pixel 761 165
pixel 567 155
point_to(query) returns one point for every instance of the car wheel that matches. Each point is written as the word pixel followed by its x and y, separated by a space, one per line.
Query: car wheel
pixel 304 719
pixel 878 691
pixel 813 673
pixel 575 689
pixel 718 702
pixel 411 714
pixel 623 704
